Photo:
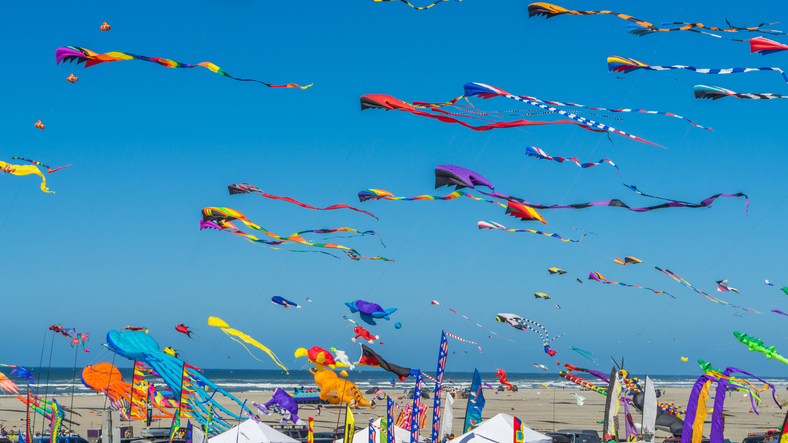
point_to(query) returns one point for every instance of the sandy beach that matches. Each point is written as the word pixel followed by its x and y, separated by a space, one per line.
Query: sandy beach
pixel 543 410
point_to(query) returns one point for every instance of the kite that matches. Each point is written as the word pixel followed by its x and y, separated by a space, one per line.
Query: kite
pixel 194 392
pixel 640 28
pixel 755 344
pixel 277 300
pixel 709 297
pixel 716 93
pixel 7 385
pixel 183 329
pixel 535 152
pixel 72 78
pixel 107 379
pixel 389 103
pixel 501 375
pixel 105 27
pixel 372 358
pixel 556 271
pixel 337 390
pixel 541 295
pixel 90 58
pixel 341 358
pixel 171 352
pixel 244 188
pixel 684 359
pixel 136 328
pixel 366 335
pixel 397 325
pixel 59 329
pixel 49 169
pixel 317 355
pixel 494 225
pixel 284 401
pixel 768 283
pixel 722 286
pixel 23 373
pixel 627 260
pixel 580 399
pixel 586 354
pixel 627 65
pixel 39 125
pixel 436 303
pixel 598 277
pixel 465 341
pixel 785 289
pixel 79 340
pixel 232 333
pixel 779 312
pixel 579 281
pixel 420 8
pixel 524 324
pixel 25 170
pixel 221 218
pixel 588 385
pixel 373 310
pixel 523 212
pixel 542 367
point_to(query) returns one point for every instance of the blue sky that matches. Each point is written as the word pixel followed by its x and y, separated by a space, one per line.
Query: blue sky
pixel 118 244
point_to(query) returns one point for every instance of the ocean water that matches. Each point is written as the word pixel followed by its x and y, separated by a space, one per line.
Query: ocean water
pixel 64 381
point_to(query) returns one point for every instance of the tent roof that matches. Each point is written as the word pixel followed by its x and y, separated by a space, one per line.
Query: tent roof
pixel 500 429
pixel 251 432
pixel 400 435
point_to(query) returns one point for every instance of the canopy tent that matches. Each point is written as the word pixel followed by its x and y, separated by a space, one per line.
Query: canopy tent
pixel 251 432
pixel 500 429
pixel 400 435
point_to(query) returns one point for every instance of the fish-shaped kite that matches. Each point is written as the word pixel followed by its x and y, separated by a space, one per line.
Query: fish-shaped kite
pixel 90 58
pixel 277 300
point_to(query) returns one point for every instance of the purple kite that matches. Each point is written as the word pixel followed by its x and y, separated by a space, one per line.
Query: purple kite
pixel 286 402
pixel 373 310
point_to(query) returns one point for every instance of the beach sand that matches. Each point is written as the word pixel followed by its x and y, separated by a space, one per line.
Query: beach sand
pixel 543 410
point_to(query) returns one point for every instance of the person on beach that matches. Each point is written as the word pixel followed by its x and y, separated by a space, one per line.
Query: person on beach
pixel 3 432
pixel 319 409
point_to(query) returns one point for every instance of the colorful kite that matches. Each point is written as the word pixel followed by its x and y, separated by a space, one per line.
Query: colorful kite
pixel 535 152
pixel 79 340
pixel 364 334
pixel 598 277
pixel 627 260
pixel 7 385
pixel 107 379
pixel 436 303
pixel 222 218
pixel 25 170
pixel 722 286
pixel 196 394
pixel 277 300
pixel 373 310
pixel 556 271
pixel 524 324
pixel 243 188
pixel 49 169
pixel 627 65
pixel 640 28
pixel 23 373
pixel 541 295
pixel 716 93
pixel 372 358
pixel 232 333
pixel 420 8
pixel 183 329
pixel 707 296
pixel 494 225
pixel 90 58
pixel 755 344
pixel 317 355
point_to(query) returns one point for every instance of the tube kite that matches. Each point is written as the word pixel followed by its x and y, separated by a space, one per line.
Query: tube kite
pixel 755 344
pixel 494 225
pixel 222 218
pixel 627 65
pixel 420 8
pixel 243 188
pixel 25 170
pixel 707 296
pixel 90 58
pixel 716 93
pixel 232 333
pixel 535 152
pixel 524 324
pixel 598 277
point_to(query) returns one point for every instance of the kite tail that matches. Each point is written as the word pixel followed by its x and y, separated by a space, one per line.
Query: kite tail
pixel 270 354
pixel 303 205
pixel 49 169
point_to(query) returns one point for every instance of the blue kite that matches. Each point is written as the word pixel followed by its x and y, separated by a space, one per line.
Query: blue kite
pixel 373 310
pixel 277 300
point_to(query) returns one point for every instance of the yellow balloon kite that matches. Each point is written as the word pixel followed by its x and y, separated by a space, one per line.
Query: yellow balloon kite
pixel 232 333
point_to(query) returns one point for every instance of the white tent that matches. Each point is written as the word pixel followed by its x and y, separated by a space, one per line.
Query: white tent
pixel 500 429
pixel 251 432
pixel 400 435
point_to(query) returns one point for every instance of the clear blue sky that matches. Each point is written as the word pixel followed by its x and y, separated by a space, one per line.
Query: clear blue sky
pixel 118 244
